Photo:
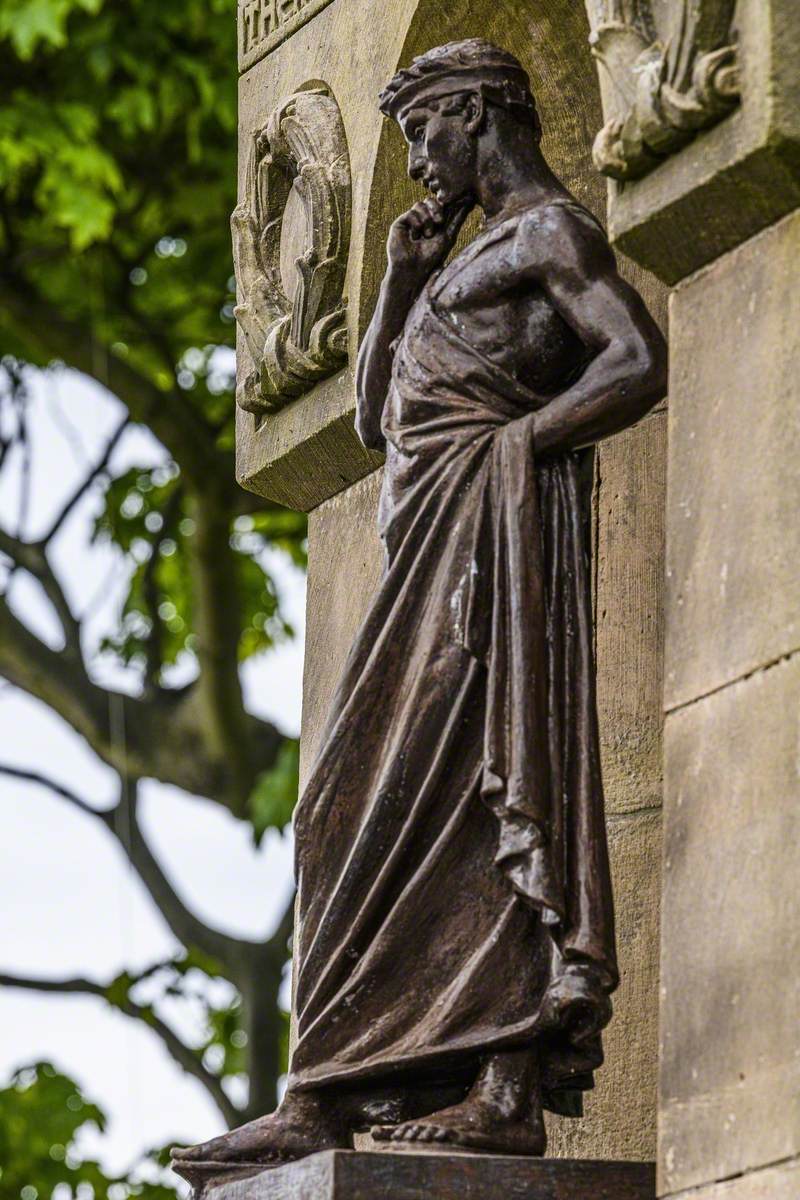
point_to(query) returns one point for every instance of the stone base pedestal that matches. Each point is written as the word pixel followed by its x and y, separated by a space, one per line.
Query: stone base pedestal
pixel 350 1175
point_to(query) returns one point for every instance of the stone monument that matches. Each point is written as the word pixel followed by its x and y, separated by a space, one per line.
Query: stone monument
pixel 690 110
pixel 700 141
pixel 455 946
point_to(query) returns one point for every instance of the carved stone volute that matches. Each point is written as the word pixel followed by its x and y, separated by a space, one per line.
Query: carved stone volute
pixel 670 76
pixel 293 341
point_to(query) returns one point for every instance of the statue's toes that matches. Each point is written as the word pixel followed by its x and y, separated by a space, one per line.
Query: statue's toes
pixel 226 1148
pixel 381 1133
pixel 189 1153
pixel 413 1131
pixel 406 1133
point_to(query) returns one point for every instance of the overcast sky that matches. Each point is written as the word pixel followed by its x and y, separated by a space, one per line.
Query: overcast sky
pixel 71 905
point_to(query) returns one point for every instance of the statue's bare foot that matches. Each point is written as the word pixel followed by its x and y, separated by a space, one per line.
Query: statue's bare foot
pixel 474 1125
pixel 302 1125
pixel 502 1113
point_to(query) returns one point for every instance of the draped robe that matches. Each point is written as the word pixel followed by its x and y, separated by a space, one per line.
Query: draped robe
pixel 454 890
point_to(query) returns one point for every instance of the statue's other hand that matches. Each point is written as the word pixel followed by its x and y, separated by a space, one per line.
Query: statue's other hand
pixel 421 239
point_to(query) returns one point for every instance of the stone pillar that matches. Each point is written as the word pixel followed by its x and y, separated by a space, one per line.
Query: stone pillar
pixel 305 453
pixel 711 205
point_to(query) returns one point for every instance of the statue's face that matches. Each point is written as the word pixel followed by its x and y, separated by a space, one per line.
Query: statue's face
pixel 441 148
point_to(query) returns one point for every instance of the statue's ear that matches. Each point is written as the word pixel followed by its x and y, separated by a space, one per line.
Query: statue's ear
pixel 474 112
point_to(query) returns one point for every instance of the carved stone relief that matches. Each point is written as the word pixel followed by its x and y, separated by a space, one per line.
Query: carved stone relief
pixel 293 341
pixel 264 24
pixel 673 71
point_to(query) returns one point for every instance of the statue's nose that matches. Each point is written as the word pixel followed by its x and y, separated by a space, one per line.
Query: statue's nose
pixel 416 165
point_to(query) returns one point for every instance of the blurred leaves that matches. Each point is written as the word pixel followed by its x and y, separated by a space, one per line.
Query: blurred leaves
pixel 224 1049
pixel 275 793
pixel 199 982
pixel 28 22
pixel 42 1113
pixel 118 134
pixel 118 174
pixel 147 515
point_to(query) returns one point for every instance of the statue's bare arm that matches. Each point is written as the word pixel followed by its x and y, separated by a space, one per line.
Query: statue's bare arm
pixel 567 256
pixel 374 367
pixel 419 242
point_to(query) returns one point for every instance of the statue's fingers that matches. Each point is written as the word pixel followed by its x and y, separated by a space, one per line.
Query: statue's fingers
pixel 424 218
pixel 420 222
pixel 413 223
pixel 433 218
pixel 434 210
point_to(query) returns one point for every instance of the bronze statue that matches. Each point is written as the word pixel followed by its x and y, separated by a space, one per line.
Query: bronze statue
pixel 455 945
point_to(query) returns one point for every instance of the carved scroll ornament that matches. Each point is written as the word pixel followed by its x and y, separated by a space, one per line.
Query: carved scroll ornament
pixel 293 342
pixel 671 77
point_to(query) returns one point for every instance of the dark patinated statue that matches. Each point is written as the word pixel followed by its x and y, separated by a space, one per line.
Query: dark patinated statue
pixel 455 945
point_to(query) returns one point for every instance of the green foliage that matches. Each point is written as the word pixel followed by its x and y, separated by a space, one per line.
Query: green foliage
pixel 111 78
pixel 27 22
pixel 222 1045
pixel 118 171
pixel 223 1051
pixel 275 793
pixel 117 175
pixel 148 516
pixel 41 1115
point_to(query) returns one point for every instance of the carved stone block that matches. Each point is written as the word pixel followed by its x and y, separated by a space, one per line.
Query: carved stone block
pixel 308 451
pixel 701 139
pixel 346 1175
pixel 672 78
pixel 264 24
pixel 293 342
pixel 730 1040
pixel 345 561
pixel 734 538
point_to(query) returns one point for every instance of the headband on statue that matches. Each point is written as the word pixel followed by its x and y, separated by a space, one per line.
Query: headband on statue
pixel 449 71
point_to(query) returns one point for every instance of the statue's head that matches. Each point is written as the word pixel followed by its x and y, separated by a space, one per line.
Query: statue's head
pixel 452 99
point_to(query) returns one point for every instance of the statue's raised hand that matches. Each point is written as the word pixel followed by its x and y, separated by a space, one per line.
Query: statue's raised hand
pixel 421 239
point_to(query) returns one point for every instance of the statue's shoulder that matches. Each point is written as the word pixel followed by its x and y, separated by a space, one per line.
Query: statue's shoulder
pixel 561 234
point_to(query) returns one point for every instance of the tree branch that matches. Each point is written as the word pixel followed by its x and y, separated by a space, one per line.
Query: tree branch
pixel 187 758
pixel 187 928
pixel 171 417
pixel 183 1055
pixel 83 487
pixel 217 607
pixel 59 789
pixel 57 678
pixel 153 655
pixel 122 822
pixel 32 557
pixel 278 943
pixel 153 642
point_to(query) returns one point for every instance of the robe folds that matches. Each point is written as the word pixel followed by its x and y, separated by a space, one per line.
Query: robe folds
pixel 454 889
